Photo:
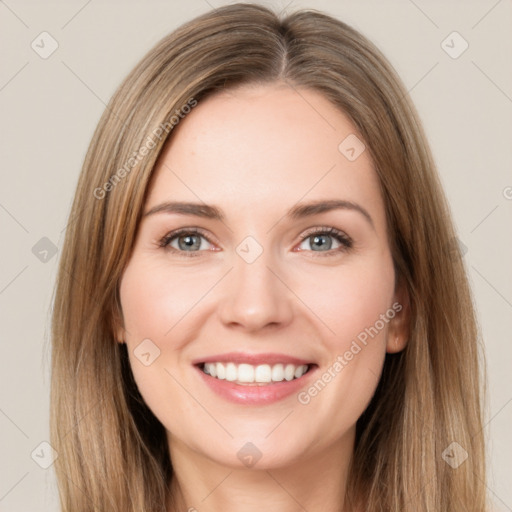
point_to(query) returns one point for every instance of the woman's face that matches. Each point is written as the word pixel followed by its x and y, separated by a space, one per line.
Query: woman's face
pixel 282 265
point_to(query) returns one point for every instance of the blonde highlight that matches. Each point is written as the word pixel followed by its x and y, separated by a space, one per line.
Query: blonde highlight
pixel 112 449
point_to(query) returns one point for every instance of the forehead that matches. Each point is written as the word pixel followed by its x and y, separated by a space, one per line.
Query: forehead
pixel 265 148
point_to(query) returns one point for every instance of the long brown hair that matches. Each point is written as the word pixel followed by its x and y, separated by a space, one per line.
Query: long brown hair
pixel 112 450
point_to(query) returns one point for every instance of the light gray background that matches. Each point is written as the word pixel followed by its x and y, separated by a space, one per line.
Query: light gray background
pixel 50 108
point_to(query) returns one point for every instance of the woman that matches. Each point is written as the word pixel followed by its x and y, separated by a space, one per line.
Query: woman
pixel 205 355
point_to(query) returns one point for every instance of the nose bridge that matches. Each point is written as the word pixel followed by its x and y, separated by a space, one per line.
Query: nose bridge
pixel 255 296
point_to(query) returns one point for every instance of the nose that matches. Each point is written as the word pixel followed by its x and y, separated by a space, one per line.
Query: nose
pixel 255 296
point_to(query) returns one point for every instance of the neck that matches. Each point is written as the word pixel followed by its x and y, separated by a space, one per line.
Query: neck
pixel 315 484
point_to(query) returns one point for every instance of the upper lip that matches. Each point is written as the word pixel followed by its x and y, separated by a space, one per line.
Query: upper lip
pixel 253 359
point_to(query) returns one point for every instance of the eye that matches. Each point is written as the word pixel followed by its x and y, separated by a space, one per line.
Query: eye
pixel 322 239
pixel 185 240
pixel 193 241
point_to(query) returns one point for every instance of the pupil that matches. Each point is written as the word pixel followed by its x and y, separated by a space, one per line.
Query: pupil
pixel 321 240
pixel 189 242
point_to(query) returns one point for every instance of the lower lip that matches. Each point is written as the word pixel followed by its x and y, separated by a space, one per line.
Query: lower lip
pixel 255 394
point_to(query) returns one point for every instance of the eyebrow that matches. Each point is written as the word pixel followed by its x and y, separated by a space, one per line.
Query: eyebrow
pixel 299 211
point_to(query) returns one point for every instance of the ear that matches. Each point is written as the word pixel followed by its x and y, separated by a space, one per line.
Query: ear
pixel 399 331
pixel 120 335
pixel 118 325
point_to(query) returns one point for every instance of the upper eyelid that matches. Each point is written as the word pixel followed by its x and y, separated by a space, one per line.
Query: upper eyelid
pixel 183 231
pixel 330 230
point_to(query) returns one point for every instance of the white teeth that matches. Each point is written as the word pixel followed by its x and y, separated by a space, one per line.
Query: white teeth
pixel 289 372
pixel 231 372
pixel 263 373
pixel 220 369
pixel 212 369
pixel 247 373
pixel 278 373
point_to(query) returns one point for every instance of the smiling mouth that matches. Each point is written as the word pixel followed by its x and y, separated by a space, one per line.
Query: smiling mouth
pixel 255 375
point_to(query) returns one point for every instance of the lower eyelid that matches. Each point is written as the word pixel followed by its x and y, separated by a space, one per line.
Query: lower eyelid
pixel 344 240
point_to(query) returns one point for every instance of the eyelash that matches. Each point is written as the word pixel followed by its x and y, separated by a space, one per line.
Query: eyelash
pixel 345 241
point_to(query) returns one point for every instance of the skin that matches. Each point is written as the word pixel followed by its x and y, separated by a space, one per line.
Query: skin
pixel 255 152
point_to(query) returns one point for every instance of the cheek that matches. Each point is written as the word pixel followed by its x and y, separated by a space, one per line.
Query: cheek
pixel 355 302
pixel 156 297
pixel 159 303
pixel 351 299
